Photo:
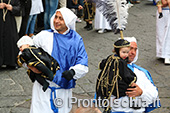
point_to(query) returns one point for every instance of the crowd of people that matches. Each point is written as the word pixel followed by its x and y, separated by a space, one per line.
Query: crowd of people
pixel 59 39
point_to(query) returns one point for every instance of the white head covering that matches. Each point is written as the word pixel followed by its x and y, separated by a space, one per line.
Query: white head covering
pixel 25 40
pixel 133 39
pixel 68 16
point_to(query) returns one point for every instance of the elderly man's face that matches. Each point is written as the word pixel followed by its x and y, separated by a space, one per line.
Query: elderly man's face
pixel 59 23
pixel 132 52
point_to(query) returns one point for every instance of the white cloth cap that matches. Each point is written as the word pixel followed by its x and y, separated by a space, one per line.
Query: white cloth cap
pixel 25 40
pixel 130 39
pixel 133 39
pixel 68 16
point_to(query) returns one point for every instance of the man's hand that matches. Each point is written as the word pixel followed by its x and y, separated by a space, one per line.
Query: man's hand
pixel 9 7
pixel 134 92
pixel 68 74
pixel 35 70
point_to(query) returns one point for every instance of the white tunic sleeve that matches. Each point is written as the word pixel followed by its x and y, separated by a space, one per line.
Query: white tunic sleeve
pixel 80 70
pixel 150 92
pixel 44 39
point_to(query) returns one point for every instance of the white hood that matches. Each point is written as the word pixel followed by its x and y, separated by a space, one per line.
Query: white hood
pixel 68 16
pixel 133 39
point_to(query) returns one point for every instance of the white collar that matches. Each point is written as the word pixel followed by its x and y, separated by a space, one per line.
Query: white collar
pixel 64 32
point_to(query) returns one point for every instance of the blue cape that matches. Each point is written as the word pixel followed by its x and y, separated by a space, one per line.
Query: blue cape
pixel 69 51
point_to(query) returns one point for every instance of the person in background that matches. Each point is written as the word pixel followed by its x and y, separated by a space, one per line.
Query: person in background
pixel 101 24
pixel 50 8
pixel 25 10
pixel 163 33
pixel 8 33
pixel 37 7
pixel 88 14
pixel 18 16
pixel 77 7
pixel 40 20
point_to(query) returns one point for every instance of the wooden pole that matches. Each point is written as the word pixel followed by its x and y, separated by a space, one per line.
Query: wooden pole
pixel 121 34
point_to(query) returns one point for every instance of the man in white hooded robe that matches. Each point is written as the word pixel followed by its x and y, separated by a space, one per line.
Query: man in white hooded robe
pixel 67 47
pixel 144 90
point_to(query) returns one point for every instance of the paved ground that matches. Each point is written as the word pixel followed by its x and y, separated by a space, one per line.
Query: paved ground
pixel 16 88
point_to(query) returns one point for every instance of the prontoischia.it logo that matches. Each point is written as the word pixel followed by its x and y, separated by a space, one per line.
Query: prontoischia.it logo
pixel 112 102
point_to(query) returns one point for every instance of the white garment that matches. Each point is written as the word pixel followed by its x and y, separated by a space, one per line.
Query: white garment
pixel 18 22
pixel 37 7
pixel 163 35
pixel 100 21
pixel 24 40
pixel 41 100
pixel 149 92
pixel 62 3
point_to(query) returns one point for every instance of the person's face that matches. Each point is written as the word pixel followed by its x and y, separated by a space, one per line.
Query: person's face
pixel 59 23
pixel 23 47
pixel 132 52
pixel 124 52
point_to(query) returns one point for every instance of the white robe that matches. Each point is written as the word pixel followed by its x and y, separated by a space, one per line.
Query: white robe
pixel 44 39
pixel 37 7
pixel 41 100
pixel 150 93
pixel 163 35
pixel 100 21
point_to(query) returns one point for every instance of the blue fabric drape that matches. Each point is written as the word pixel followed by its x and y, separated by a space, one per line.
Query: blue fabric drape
pixel 69 51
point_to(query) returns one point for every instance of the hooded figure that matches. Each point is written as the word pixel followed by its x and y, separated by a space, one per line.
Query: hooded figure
pixel 144 86
pixel 68 49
